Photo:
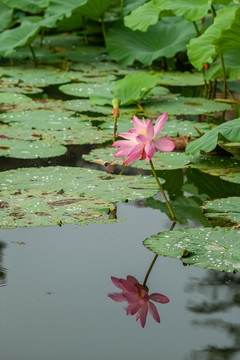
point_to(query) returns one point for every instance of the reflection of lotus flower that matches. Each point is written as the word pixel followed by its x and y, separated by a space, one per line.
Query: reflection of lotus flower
pixel 136 295
pixel 140 141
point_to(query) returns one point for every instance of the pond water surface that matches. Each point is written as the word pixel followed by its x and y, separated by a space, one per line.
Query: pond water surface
pixel 55 282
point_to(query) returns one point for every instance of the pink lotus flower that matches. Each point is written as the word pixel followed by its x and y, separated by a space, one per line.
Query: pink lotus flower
pixel 140 141
pixel 136 295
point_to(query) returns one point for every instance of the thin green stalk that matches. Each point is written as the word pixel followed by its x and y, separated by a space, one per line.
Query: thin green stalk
pixel 205 85
pixel 213 12
pixel 85 30
pixel 121 9
pixel 115 128
pixel 224 77
pixel 196 28
pixel 33 54
pixel 162 191
pixel 103 29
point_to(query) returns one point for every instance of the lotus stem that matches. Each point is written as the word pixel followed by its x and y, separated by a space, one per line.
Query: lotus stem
pixel 224 77
pixel 196 28
pixel 103 29
pixel 213 12
pixel 85 30
pixel 34 55
pixel 121 9
pixel 162 191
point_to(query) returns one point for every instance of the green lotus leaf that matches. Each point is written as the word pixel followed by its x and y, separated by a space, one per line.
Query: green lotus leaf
pixel 175 105
pixel 41 192
pixel 201 49
pixel 229 130
pixel 190 10
pixel 232 147
pixel 12 98
pixel 178 78
pixel 130 5
pixel 85 106
pixel 165 161
pixel 22 35
pixel 31 6
pixel 217 248
pixel 5 16
pixel 158 91
pixel 166 38
pixel 227 209
pixel 29 150
pixel 95 9
pixel 61 8
pixel 6 86
pixel 37 77
pixel 133 87
pixel 84 90
pixel 231 65
pixel 142 17
pixel 172 127
pixel 229 38
pixel 103 68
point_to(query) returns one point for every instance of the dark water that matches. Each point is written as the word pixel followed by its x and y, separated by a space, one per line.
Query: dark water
pixel 54 303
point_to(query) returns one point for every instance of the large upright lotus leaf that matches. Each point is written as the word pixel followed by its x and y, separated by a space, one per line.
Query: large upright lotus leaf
pixel 166 38
pixel 95 9
pixel 142 17
pixel 229 130
pixel 133 87
pixel 31 6
pixel 29 150
pixel 227 209
pixel 5 16
pixel 12 98
pixel 40 77
pixel 201 49
pixel 130 5
pixel 217 248
pixel 171 128
pixel 189 9
pixel 178 78
pixel 175 105
pixel 85 106
pixel 83 133
pixel 62 9
pixel 22 35
pixel 231 65
pixel 86 182
pixel 229 38
pixel 84 90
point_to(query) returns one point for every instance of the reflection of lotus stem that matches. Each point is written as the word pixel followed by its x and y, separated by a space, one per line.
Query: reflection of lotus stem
pixel 115 127
pixel 154 260
pixel 224 77
pixel 162 191
pixel 149 270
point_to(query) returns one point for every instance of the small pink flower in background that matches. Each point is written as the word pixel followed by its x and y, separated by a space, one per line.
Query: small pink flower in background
pixel 140 141
pixel 138 299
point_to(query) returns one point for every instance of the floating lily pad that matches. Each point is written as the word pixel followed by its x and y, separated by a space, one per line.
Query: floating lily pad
pixel 180 79
pixel 29 150
pixel 82 133
pixel 165 160
pixel 86 90
pixel 185 105
pixel 29 193
pixel 227 209
pixel 37 76
pixel 217 249
pixel 12 98
pixel 85 106
pixel 172 127
pixel 5 86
